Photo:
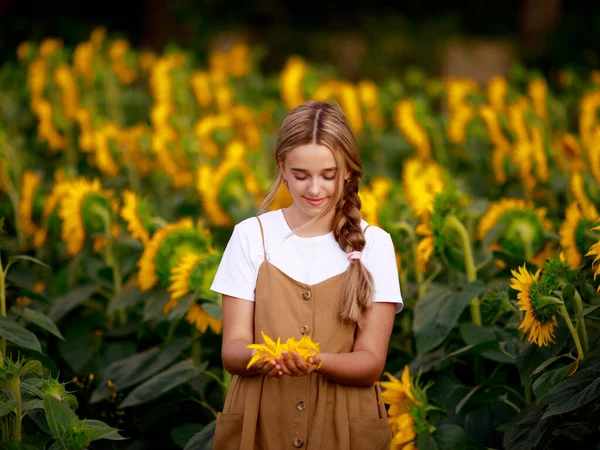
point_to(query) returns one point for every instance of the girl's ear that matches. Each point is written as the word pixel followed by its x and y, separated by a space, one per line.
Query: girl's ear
pixel 280 164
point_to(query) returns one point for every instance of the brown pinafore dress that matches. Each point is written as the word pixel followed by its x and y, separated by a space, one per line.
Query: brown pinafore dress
pixel 309 412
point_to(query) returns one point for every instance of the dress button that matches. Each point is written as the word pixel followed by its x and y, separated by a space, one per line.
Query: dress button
pixel 298 443
pixel 304 329
pixel 301 406
pixel 306 295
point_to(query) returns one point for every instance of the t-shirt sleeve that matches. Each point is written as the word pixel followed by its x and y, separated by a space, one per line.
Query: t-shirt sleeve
pixel 236 275
pixel 381 262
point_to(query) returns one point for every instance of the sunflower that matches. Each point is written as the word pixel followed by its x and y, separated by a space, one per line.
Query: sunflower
pixel 572 234
pixel 202 320
pixel 577 187
pixel 368 92
pixel 521 227
pixel 497 90
pixel 595 251
pixel 569 153
pixel 540 319
pixel 137 215
pixel 373 197
pixel 458 121
pixel 502 146
pixel 83 210
pixel 407 410
pixel 166 247
pixel 425 247
pixel 405 118
pixel 290 82
pixel 240 61
pixel 422 181
pixel 31 181
pixel 538 91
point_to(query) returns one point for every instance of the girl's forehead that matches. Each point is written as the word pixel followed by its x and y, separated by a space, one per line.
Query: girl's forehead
pixel 313 155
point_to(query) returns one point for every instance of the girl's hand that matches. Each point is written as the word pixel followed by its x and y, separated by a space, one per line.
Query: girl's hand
pixel 269 369
pixel 295 366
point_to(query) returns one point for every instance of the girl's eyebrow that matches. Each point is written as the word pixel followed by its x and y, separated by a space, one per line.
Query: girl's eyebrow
pixel 329 169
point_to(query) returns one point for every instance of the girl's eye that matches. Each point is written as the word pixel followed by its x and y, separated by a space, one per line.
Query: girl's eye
pixel 329 178
pixel 301 179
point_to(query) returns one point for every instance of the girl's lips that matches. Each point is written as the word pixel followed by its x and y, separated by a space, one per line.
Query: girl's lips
pixel 314 202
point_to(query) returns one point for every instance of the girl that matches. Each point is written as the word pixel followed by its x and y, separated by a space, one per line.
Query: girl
pixel 313 268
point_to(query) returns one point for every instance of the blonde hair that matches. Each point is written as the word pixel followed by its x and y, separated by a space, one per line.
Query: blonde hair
pixel 325 124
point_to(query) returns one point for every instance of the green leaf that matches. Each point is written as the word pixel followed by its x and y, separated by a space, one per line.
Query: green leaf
pixel 574 392
pixel 181 435
pixel 42 321
pixel 18 335
pixel 33 366
pixel 450 437
pixel 213 310
pixel 160 384
pixel 100 430
pixel 204 439
pixel 78 347
pixel 129 371
pixel 586 311
pixel 128 298
pixel 65 303
pixel 472 349
pixel 58 415
pixel 7 407
pixel 531 356
pixel 542 386
pixel 529 431
pixel 548 362
pixel 153 305
pixel 28 258
pixel 14 445
pixel 31 405
pixel 437 313
pixel 474 334
pixel 425 441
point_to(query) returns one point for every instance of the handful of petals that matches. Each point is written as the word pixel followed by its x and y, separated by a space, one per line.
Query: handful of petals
pixel 305 347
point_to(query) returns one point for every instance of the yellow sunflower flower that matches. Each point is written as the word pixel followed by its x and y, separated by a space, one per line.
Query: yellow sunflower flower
pixel 595 251
pixel 524 227
pixel 148 274
pixel 79 211
pixel 571 234
pixel 577 188
pixel 422 180
pixel 538 91
pixel 368 92
pixel 401 395
pixel 200 82
pixel 373 198
pixel 497 90
pixel 305 348
pixel 538 322
pixel 425 247
pixel 132 214
pixel 31 181
pixel 202 320
pixel 290 82
pixel 406 121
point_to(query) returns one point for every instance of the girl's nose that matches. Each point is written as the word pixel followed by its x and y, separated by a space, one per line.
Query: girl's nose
pixel 313 188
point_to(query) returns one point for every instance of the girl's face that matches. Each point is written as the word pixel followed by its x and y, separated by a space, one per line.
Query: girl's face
pixel 311 172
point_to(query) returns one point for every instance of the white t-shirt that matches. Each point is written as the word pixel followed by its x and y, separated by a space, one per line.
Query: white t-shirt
pixel 307 260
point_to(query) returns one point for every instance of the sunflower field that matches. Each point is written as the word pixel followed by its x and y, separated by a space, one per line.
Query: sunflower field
pixel 123 172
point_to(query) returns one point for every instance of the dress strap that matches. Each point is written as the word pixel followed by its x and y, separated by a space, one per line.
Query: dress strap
pixel 262 235
pixel 365 230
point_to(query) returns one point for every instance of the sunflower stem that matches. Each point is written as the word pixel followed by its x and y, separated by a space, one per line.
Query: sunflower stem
pixel 565 314
pixel 226 382
pixel 456 225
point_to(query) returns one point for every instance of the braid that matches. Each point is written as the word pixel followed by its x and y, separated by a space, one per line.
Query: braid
pixel 357 294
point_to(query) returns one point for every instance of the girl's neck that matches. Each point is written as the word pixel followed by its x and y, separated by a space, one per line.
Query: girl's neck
pixel 295 219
